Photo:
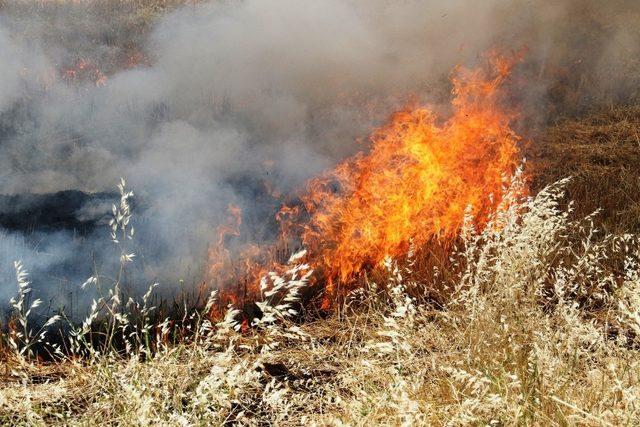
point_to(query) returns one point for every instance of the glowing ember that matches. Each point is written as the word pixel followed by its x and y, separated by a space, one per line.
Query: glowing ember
pixel 134 57
pixel 414 185
pixel 84 70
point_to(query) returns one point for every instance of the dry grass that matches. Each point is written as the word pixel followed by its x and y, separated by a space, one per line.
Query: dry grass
pixel 602 154
pixel 108 34
pixel 541 328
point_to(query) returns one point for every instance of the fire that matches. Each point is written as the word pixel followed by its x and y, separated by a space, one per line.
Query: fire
pixel 224 268
pixel 413 186
pixel 83 70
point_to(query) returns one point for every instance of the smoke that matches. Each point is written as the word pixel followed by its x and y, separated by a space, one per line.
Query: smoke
pixel 242 100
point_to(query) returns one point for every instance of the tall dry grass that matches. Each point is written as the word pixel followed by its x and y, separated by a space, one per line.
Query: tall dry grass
pixel 541 327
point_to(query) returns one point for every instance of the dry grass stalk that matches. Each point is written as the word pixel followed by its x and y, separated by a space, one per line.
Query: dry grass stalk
pixel 541 328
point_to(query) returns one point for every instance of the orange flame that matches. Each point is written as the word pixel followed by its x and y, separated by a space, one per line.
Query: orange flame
pixel 414 185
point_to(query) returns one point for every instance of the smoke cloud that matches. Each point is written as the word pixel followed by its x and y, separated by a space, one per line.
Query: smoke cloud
pixel 236 94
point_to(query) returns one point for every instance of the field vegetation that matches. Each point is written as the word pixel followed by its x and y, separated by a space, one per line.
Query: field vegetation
pixel 533 320
pixel 539 326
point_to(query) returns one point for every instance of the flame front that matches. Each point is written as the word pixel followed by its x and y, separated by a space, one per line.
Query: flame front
pixel 414 185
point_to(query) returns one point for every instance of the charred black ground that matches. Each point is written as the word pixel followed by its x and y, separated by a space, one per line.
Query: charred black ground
pixel 64 210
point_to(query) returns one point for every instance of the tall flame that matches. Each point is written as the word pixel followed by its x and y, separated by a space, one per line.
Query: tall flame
pixel 414 185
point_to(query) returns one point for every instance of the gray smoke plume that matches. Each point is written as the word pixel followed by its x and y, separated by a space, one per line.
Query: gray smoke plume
pixel 238 93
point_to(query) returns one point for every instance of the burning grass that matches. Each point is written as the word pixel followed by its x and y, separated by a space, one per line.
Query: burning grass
pixel 69 24
pixel 522 310
pixel 461 300
pixel 541 327
pixel 411 187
